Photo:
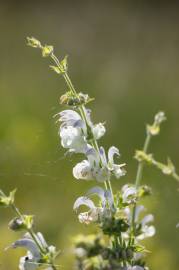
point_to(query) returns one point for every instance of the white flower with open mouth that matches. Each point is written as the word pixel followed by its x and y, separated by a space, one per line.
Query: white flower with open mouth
pixel 33 258
pixel 143 227
pixel 129 194
pixel 95 213
pixel 73 131
pixel 97 166
pixel 98 131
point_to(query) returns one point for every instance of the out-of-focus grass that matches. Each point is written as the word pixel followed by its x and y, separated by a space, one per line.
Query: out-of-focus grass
pixel 126 56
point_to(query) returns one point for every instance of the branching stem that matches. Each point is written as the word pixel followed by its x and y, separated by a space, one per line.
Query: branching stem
pixel 138 180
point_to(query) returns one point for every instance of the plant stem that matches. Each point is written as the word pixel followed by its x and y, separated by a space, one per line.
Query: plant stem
pixel 139 178
pixel 32 233
pixel 141 164
pixel 82 112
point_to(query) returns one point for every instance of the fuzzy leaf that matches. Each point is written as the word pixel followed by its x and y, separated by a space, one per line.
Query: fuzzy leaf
pixel 56 69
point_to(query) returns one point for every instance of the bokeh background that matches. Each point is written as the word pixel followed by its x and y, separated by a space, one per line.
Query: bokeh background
pixel 123 53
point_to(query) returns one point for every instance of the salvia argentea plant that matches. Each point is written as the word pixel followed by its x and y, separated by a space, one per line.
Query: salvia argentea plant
pixel 118 215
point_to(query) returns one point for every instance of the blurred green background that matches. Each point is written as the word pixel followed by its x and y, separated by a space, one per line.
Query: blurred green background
pixel 123 53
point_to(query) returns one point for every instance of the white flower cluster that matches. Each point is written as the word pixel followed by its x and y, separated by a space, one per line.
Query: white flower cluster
pixel 145 230
pixel 95 213
pixel 33 259
pixel 78 134
pixel 106 210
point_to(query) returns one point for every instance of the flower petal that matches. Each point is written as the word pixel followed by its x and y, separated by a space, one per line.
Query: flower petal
pixel 98 131
pixel 98 191
pixel 28 263
pixel 111 152
pixel 147 219
pixel 83 201
pixel 82 170
pixel 30 245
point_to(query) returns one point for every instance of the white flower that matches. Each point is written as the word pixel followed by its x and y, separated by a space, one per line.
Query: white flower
pixel 71 118
pixel 73 131
pixel 33 257
pixel 83 170
pixel 116 169
pixel 90 169
pixel 129 193
pixel 145 229
pixel 88 217
pixel 95 213
pixel 27 262
pixel 80 252
pixel 91 215
pixel 73 139
pixel 31 260
pixel 97 167
pixel 98 131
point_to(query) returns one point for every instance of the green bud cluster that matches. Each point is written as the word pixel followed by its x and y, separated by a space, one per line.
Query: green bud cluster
pixel 154 129
pixel 114 226
pixel 7 200
pixel 24 223
pixel 168 169
pixel 70 99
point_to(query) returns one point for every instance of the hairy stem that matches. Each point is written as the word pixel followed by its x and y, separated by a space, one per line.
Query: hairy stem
pixel 139 178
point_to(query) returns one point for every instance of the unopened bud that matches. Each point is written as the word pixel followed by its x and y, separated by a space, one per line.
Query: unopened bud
pixel 47 50
pixel 16 224
pixel 33 42
pixel 155 128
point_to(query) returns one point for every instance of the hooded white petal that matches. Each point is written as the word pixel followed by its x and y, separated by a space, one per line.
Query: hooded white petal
pixel 147 219
pixel 97 191
pixel 93 157
pixel 148 231
pixel 128 193
pixel 112 151
pixel 69 117
pixel 28 262
pixel 73 139
pixel 30 245
pixel 98 131
pixel 83 201
pixel 42 240
pixel 83 170
pixel 103 156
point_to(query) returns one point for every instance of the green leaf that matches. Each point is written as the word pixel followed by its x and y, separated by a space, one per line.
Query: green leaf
pixel 28 221
pixel 56 69
pixel 7 200
pixel 64 64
